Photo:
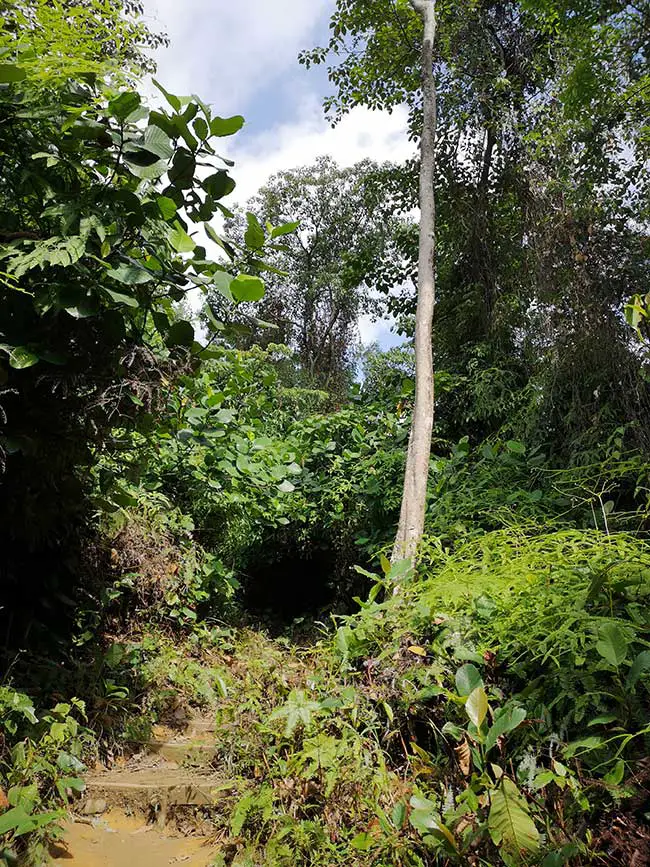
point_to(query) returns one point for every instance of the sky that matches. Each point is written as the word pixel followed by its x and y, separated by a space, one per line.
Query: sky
pixel 242 58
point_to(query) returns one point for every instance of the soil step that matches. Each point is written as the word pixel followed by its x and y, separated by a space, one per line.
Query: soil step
pixel 201 726
pixel 195 745
pixel 160 788
pixel 191 752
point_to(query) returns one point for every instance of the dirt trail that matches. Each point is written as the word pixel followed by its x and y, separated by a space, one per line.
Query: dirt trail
pixel 173 770
pixel 117 840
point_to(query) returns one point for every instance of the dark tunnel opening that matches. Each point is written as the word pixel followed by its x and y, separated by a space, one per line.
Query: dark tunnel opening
pixel 295 585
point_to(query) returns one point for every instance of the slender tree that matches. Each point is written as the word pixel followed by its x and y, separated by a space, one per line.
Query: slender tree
pixel 412 514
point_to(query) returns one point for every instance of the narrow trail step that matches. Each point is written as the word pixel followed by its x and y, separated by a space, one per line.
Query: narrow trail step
pixel 153 790
pixel 171 770
pixel 180 751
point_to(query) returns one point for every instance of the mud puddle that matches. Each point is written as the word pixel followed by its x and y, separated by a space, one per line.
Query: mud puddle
pixel 117 840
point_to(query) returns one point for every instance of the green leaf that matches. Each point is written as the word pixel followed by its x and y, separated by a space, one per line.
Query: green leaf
pixel 163 122
pixel 476 706
pixel 180 240
pixel 225 246
pixel 602 720
pixel 221 126
pixel 506 720
pixel 286 487
pixel 10 73
pixel 615 776
pixel 120 298
pixel 18 821
pixel 181 173
pixel 124 104
pixel 201 128
pixel 20 358
pixel 246 288
pixel 426 820
pixel 285 229
pixel 167 207
pixel 181 334
pixel 363 842
pixel 219 184
pixel 640 665
pixel 11 819
pixel 146 172
pixel 174 101
pixel 516 447
pixel 222 282
pixel 398 815
pixel 138 156
pixel 468 678
pixel 254 236
pixel 612 645
pixel 157 142
pixel 130 275
pixel 510 824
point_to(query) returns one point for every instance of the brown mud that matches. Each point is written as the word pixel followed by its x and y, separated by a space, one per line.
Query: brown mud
pixel 118 840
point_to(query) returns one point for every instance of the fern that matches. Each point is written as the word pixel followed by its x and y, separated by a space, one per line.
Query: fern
pixel 54 251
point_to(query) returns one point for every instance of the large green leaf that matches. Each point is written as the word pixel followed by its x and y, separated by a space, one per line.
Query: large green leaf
pixel 181 173
pixel 18 821
pixel 174 101
pixel 130 275
pixel 506 720
pixel 221 126
pixel 180 240
pixel 222 282
pixel 10 73
pixel 124 104
pixel 20 357
pixel 285 229
pixel 510 824
pixel 612 644
pixel 181 334
pixel 246 288
pixel 640 665
pixel 150 172
pixel 139 156
pixel 219 184
pixel 157 142
pixel 468 678
pixel 254 235
pixel 166 206
pixel 121 298
pixel 476 706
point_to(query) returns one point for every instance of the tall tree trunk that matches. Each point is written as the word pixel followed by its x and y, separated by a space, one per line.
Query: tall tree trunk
pixel 412 515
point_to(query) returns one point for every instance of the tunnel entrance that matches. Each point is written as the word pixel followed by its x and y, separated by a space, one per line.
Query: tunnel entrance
pixel 294 585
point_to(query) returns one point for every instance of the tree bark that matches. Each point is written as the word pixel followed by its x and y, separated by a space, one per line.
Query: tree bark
pixel 413 510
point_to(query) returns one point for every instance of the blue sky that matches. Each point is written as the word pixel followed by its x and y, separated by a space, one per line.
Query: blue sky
pixel 242 58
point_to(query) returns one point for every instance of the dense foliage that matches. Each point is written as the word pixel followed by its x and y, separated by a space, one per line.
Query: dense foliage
pixel 177 483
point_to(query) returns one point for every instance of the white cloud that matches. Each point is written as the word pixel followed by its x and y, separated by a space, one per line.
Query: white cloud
pixel 378 331
pixel 363 133
pixel 226 51
pixel 231 53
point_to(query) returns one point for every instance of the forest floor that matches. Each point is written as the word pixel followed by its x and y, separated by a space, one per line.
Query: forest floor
pixel 169 798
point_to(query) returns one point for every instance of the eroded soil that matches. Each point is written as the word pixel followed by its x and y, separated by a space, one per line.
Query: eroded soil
pixel 118 840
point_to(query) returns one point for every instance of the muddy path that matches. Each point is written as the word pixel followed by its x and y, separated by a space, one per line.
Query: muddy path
pixel 118 840
pixel 127 815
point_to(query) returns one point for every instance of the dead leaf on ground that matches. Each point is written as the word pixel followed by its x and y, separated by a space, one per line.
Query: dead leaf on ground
pixel 464 756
